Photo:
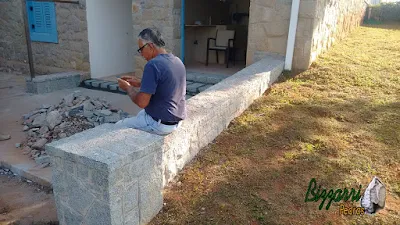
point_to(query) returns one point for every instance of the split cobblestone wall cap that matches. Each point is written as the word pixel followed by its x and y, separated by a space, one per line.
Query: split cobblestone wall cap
pixel 96 83
pixel 113 87
pixel 107 84
pixel 88 82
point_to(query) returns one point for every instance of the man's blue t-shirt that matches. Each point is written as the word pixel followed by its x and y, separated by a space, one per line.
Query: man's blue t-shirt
pixel 165 78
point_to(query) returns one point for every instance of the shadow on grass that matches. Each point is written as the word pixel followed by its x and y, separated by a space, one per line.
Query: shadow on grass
pixel 258 171
pixel 287 75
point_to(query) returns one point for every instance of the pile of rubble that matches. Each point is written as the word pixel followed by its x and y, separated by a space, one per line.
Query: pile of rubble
pixel 5 171
pixel 74 114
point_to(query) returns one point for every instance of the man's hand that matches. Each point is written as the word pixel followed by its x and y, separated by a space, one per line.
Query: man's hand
pixel 123 84
pixel 139 98
pixel 132 81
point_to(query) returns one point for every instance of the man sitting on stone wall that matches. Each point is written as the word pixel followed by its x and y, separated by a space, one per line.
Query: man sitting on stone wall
pixel 162 89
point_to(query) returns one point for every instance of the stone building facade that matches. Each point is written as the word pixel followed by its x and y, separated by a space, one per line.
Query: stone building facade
pixel 321 23
pixel 71 52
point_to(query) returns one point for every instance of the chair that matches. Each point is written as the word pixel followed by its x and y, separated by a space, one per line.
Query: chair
pixel 224 41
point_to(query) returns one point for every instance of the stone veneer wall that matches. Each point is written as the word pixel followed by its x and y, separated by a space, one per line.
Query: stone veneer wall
pixel 72 51
pixel 165 15
pixel 334 19
pixel 320 23
pixel 268 28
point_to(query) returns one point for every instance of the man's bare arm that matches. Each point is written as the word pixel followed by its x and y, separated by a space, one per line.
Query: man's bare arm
pixel 139 98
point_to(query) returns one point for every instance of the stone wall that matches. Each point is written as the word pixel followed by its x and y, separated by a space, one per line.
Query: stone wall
pixel 334 20
pixel 268 27
pixel 320 23
pixel 71 53
pixel 110 175
pixel 165 15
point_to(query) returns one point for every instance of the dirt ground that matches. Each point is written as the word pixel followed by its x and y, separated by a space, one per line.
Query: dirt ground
pixel 23 203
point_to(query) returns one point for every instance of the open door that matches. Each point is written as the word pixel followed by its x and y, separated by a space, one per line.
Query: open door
pixel 111 45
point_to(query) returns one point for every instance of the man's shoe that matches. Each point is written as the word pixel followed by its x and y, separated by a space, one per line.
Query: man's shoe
pixel 4 137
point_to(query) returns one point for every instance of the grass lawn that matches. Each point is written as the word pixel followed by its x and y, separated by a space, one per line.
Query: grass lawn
pixel 338 122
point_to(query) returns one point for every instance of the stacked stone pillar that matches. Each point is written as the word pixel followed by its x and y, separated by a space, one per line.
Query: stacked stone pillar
pixel 107 176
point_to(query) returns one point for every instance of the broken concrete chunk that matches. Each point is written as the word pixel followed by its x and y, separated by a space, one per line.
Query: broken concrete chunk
pixel 52 108
pixel 43 130
pixel 45 106
pixel 79 100
pixel 87 114
pixel 69 99
pixel 42 110
pixel 34 152
pixel 105 112
pixel 30 115
pixel 76 111
pixel 26 148
pixel 39 144
pixel 97 104
pixel 25 128
pixel 36 155
pixel 31 133
pixel 62 125
pixel 53 119
pixel 113 118
pixel 39 121
pixel 88 106
pixel 100 119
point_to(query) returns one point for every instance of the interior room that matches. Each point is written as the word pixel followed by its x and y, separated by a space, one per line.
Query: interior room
pixel 221 20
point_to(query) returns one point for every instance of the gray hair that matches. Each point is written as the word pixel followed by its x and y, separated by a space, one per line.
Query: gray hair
pixel 152 35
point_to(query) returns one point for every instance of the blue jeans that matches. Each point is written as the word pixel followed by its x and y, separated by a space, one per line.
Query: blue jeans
pixel 145 122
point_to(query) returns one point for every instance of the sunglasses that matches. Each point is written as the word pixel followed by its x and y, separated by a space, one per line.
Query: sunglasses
pixel 140 49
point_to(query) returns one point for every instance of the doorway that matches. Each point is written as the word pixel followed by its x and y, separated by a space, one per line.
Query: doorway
pixel 201 21
pixel 110 34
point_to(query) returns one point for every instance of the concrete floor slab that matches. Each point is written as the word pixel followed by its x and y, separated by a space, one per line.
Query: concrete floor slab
pixel 214 68
pixel 14 102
